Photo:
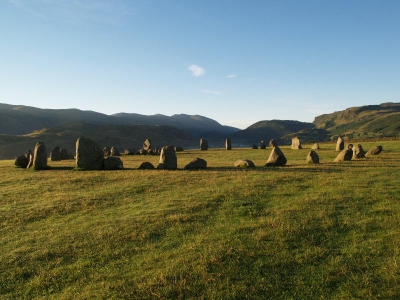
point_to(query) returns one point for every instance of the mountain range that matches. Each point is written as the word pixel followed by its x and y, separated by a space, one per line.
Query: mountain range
pixel 22 126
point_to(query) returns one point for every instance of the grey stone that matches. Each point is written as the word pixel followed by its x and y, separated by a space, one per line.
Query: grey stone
pixel 55 154
pixel 374 151
pixel 168 158
pixel 254 146
pixel 89 155
pixel 296 144
pixel 113 163
pixel 21 161
pixel 177 149
pixel 114 151
pixel 203 144
pixel 344 155
pixel 147 144
pixel 273 143
pixel 146 166
pixel 358 151
pixel 315 146
pixel 197 163
pixel 312 157
pixel 40 157
pixel 339 144
pixel 244 163
pixel 106 151
pixel 64 154
pixel 228 144
pixel 263 145
pixel 276 158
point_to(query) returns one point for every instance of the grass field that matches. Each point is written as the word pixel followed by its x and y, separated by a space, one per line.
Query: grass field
pixel 327 231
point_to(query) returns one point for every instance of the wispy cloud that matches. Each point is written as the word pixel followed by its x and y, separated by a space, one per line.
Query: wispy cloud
pixel 76 11
pixel 231 76
pixel 211 92
pixel 196 70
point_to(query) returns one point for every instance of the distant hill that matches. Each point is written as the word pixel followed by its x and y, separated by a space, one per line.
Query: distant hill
pixel 364 121
pixel 121 136
pixel 267 130
pixel 18 119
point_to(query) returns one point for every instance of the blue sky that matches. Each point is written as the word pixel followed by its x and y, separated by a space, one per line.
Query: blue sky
pixel 237 62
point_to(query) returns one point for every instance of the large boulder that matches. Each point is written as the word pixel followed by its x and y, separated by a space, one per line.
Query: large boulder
pixel 114 151
pixel 197 163
pixel 21 161
pixel 55 154
pixel 254 146
pixel 147 144
pixel 263 145
pixel 177 149
pixel 276 158
pixel 358 151
pixel 228 144
pixel 244 163
pixel 29 156
pixel 146 166
pixel 203 144
pixel 296 144
pixel 40 157
pixel 374 151
pixel 312 157
pixel 339 144
pixel 168 158
pixel 113 163
pixel 89 155
pixel 344 155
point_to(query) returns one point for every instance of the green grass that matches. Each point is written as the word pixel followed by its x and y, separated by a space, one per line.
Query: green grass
pixel 327 231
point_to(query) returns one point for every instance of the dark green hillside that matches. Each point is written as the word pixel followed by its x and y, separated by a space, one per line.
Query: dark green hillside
pixel 364 121
pixel 122 137
pixel 267 130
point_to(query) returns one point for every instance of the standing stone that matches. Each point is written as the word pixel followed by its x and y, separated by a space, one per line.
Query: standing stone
pixel 276 157
pixel 147 144
pixel 89 155
pixel 273 143
pixel 106 151
pixel 146 166
pixel 358 152
pixel 374 151
pixel 203 144
pixel 30 163
pixel 21 161
pixel 55 154
pixel 254 146
pixel 263 145
pixel 312 157
pixel 195 164
pixel 228 144
pixel 244 163
pixel 177 149
pixel 114 151
pixel 296 144
pixel 344 155
pixel 339 144
pixel 113 163
pixel 64 154
pixel 315 146
pixel 168 158
pixel 40 157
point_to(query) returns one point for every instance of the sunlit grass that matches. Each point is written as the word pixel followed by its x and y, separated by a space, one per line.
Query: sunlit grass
pixel 297 232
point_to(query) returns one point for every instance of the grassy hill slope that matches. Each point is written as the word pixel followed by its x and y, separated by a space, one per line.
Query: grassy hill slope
pixel 295 232
pixel 364 121
pixel 122 137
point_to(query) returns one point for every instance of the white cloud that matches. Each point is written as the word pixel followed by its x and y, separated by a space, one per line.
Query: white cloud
pixel 196 70
pixel 231 76
pixel 211 92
